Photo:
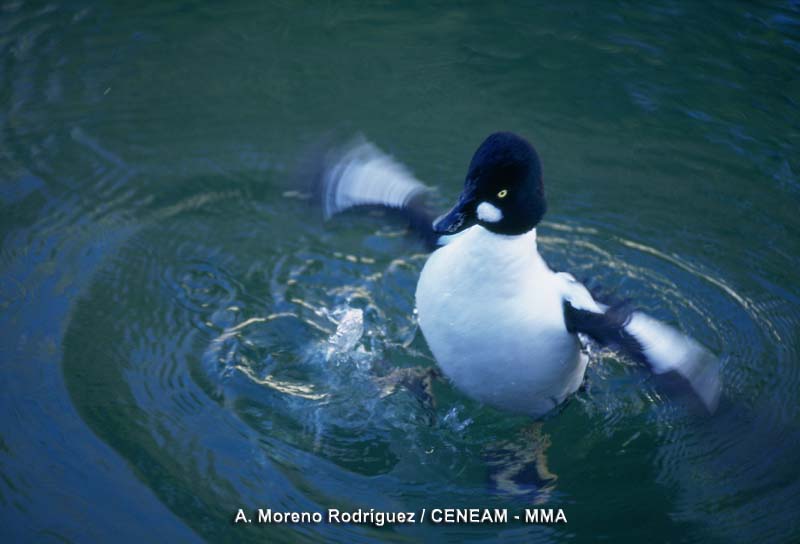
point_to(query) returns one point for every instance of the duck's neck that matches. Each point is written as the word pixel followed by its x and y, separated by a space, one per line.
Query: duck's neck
pixel 505 242
pixel 503 250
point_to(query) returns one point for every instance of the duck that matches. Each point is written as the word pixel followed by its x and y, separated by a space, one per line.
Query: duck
pixel 503 327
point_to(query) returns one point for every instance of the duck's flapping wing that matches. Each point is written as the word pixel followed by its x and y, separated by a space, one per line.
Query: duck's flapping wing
pixel 360 174
pixel 668 353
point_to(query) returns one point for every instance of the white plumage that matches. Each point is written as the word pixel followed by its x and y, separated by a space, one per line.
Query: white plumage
pixel 364 175
pixel 491 309
pixel 668 350
pixel 491 312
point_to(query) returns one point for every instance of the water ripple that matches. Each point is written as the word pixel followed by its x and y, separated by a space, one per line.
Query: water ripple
pixel 164 284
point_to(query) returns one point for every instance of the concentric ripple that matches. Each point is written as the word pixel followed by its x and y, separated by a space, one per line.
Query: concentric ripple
pixel 234 360
pixel 180 336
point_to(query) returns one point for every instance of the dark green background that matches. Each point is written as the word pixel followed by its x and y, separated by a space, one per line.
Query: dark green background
pixel 147 206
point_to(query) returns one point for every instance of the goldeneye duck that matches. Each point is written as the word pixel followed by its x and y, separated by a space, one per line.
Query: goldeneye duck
pixel 502 326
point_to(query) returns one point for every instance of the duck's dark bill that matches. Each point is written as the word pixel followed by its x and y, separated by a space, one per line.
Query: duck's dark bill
pixel 460 217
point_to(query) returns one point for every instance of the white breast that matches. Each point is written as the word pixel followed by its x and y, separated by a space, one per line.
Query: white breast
pixel 491 312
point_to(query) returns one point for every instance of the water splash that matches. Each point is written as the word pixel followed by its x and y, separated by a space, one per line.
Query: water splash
pixel 348 331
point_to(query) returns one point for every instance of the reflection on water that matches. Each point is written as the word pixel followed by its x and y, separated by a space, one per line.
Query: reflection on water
pixel 181 336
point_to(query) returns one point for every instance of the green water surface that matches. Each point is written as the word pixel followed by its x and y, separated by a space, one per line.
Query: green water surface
pixel 167 294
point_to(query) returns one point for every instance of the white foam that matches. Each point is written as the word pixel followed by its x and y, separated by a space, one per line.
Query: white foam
pixel 349 330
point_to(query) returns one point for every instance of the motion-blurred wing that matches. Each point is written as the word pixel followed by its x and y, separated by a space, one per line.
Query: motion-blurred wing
pixel 664 350
pixel 363 175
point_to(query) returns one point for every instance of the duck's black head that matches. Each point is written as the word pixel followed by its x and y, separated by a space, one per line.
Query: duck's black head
pixel 503 191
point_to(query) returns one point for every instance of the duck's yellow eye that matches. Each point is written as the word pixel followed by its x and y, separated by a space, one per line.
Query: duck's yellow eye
pixel 502 194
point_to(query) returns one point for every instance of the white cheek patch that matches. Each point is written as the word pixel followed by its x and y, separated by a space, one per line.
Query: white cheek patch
pixel 489 212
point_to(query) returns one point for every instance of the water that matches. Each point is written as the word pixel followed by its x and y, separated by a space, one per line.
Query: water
pixel 169 306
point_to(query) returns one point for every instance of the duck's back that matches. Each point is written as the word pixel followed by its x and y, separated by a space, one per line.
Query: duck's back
pixel 491 312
